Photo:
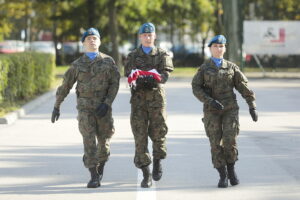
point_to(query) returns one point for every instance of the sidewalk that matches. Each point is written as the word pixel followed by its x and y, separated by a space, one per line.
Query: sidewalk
pixel 10 118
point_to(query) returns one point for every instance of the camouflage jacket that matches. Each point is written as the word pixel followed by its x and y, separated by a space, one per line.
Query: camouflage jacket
pixel 212 82
pixel 157 59
pixel 97 81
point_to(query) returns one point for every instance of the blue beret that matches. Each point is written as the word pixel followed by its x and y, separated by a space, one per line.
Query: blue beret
pixel 147 28
pixel 218 39
pixel 90 31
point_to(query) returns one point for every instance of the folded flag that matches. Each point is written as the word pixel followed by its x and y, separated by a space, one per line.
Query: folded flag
pixel 136 73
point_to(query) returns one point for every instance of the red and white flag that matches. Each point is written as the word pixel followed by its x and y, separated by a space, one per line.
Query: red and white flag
pixel 136 73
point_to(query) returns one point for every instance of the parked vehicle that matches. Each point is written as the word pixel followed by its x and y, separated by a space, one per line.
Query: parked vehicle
pixel 43 47
pixel 12 46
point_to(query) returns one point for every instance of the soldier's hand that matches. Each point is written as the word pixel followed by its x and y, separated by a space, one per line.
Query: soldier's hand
pixel 102 109
pixel 150 82
pixel 140 81
pixel 217 105
pixel 55 114
pixel 253 114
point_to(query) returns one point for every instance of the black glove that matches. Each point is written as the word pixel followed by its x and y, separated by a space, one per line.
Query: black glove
pixel 253 114
pixel 146 82
pixel 150 82
pixel 55 114
pixel 217 105
pixel 140 81
pixel 102 109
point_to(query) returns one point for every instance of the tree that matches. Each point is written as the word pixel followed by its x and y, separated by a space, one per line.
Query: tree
pixel 176 15
pixel 10 12
pixel 113 29
pixel 202 20
pixel 233 29
pixel 235 11
pixel 272 9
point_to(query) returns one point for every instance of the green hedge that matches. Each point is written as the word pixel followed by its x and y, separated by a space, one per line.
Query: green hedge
pixel 24 75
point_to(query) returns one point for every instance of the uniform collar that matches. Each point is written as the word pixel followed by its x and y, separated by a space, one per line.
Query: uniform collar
pixel 212 64
pixel 224 64
pixel 92 55
pixel 153 52
pixel 86 59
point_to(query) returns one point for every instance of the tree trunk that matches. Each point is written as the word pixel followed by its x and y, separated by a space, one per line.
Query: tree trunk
pixel 113 31
pixel 220 25
pixel 232 27
pixel 58 59
pixel 91 12
pixel 27 23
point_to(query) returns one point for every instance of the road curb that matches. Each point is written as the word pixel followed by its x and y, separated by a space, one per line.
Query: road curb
pixel 10 118
pixel 274 75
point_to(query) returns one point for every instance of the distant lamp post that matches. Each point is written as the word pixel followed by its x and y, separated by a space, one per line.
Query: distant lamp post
pixel 28 31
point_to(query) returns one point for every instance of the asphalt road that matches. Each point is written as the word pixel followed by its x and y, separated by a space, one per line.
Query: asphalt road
pixel 41 160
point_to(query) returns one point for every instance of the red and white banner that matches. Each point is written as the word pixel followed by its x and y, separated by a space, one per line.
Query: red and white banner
pixel 272 37
pixel 136 73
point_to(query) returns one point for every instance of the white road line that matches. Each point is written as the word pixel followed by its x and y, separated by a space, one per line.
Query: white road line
pixel 145 193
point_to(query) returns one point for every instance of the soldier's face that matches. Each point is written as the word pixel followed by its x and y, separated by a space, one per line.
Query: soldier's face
pixel 217 50
pixel 147 39
pixel 91 43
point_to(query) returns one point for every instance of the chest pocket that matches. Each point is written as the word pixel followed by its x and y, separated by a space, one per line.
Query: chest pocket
pixel 84 74
pixel 101 72
pixel 210 76
pixel 83 79
pixel 158 59
pixel 226 76
pixel 93 78
pixel 147 62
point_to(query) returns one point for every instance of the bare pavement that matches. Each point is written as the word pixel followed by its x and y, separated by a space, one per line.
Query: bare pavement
pixel 40 160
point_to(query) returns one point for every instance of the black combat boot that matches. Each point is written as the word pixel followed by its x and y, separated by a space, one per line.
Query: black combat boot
pixel 100 170
pixel 223 182
pixel 147 181
pixel 232 175
pixel 157 170
pixel 94 182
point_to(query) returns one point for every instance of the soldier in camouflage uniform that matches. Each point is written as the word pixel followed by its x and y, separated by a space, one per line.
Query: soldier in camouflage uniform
pixel 97 80
pixel 148 103
pixel 213 85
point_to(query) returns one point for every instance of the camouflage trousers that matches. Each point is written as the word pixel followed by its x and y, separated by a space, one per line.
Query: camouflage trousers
pixel 222 129
pixel 148 121
pixel 96 134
